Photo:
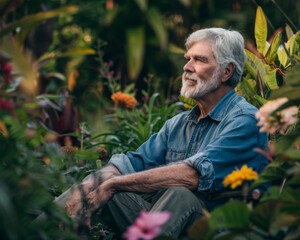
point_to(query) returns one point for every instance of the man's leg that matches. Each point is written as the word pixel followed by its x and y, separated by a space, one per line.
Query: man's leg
pixel 125 207
pixel 184 206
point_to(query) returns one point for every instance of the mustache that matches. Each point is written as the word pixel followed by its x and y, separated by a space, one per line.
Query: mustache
pixel 190 76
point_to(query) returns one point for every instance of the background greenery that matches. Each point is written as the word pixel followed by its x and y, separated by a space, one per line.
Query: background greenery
pixel 58 122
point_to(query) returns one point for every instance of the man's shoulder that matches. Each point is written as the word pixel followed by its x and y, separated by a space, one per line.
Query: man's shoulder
pixel 243 107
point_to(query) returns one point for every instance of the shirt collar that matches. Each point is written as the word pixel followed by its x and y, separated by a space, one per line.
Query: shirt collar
pixel 218 112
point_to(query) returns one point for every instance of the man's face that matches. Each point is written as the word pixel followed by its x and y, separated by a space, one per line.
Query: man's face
pixel 201 72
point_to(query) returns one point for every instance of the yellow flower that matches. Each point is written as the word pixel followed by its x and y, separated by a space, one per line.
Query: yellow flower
pixel 124 100
pixel 237 177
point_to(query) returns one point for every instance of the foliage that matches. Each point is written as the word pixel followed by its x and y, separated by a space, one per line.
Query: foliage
pixel 133 128
pixel 267 65
pixel 40 81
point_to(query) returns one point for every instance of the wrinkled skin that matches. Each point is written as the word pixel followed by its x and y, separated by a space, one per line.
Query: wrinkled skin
pixel 90 195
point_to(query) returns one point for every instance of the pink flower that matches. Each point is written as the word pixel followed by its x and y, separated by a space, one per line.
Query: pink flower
pixel 281 121
pixel 147 225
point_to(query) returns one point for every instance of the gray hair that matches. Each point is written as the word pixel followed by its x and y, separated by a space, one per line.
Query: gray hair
pixel 227 47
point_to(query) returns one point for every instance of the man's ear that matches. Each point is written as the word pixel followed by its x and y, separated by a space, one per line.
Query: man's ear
pixel 227 72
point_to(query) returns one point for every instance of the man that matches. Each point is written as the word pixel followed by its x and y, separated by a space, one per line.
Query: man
pixel 181 168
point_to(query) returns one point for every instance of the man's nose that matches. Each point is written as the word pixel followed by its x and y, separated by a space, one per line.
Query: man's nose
pixel 188 67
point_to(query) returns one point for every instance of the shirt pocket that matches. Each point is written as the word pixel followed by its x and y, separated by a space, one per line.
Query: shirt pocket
pixel 175 155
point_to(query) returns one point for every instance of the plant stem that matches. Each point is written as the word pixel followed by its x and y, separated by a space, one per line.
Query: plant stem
pixel 282 185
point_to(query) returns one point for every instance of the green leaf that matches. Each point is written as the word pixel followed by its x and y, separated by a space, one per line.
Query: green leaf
pixel 261 100
pixel 285 221
pixel 71 53
pixel 263 214
pixel 188 103
pixel 283 57
pixel 272 52
pixel 292 93
pixel 293 77
pixel 232 215
pixel 260 29
pixel 155 20
pixel 293 154
pixel 289 32
pixel 110 16
pixel 274 171
pixel 142 4
pixel 292 46
pixel 38 17
pixel 254 65
pixel 135 51
pixel 175 49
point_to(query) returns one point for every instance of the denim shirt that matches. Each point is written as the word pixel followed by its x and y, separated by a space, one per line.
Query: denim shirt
pixel 217 144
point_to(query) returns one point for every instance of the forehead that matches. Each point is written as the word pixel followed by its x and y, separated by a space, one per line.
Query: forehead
pixel 203 48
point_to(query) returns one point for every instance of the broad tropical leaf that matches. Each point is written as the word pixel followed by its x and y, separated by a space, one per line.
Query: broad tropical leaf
pixel 293 93
pixel 292 47
pixel 135 50
pixel 142 4
pixel 232 215
pixel 289 32
pixel 283 57
pixel 36 18
pixel 293 77
pixel 267 74
pixel 155 20
pixel 175 49
pixel 261 30
pixel 272 51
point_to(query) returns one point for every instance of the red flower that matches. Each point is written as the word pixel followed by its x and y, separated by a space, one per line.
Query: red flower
pixel 6 104
pixel 5 71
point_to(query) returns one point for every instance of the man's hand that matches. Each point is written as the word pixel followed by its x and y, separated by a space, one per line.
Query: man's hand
pixel 97 199
pixel 74 204
pixel 86 194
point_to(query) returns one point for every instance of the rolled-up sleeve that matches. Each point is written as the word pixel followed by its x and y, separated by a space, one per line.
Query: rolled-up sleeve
pixel 149 155
pixel 205 169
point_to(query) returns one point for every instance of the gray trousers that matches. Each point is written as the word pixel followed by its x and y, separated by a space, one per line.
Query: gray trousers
pixel 184 207
pixel 125 207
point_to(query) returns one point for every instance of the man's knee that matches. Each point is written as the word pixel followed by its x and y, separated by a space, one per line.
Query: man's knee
pixel 183 195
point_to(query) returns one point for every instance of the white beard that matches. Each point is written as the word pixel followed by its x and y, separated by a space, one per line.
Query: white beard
pixel 199 87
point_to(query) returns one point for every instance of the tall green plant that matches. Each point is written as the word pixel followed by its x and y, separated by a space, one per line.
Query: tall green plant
pixel 267 65
pixel 133 127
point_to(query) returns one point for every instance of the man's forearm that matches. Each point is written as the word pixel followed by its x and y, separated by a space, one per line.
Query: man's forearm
pixel 156 179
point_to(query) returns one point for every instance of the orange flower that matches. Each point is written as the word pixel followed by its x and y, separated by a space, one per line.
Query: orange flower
pixel 124 100
pixel 3 129
pixel 237 177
